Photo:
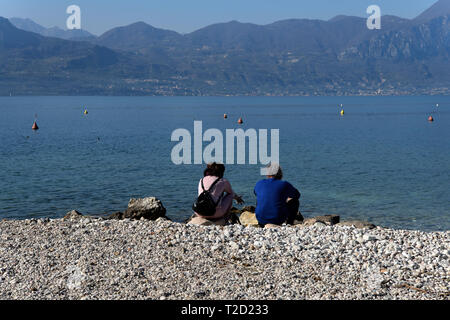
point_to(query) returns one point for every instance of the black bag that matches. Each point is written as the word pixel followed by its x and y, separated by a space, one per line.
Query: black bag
pixel 205 204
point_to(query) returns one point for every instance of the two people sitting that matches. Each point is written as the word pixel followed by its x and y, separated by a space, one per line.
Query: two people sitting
pixel 277 201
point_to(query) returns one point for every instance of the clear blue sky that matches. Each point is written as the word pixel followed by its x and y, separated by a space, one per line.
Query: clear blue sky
pixel 185 16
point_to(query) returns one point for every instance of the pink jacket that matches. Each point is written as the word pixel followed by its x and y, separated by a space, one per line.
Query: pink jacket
pixel 220 187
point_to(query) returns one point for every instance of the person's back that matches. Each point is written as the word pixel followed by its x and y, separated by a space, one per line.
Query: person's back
pixel 276 200
pixel 220 190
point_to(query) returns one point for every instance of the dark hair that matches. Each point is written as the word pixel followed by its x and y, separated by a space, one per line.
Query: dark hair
pixel 279 175
pixel 214 169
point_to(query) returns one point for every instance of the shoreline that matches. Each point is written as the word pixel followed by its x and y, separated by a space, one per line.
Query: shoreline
pixel 358 224
pixel 183 221
pixel 89 258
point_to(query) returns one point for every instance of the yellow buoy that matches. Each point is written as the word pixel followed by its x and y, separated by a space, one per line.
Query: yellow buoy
pixel 85 112
pixel 342 112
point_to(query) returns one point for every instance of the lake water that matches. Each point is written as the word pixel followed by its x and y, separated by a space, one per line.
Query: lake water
pixel 382 161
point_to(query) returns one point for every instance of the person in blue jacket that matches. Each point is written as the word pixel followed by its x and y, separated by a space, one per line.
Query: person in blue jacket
pixel 277 201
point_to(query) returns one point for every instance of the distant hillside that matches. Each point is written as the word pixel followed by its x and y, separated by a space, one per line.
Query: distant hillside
pixel 439 9
pixel 30 25
pixel 294 34
pixel 34 64
pixel 137 36
pixel 340 56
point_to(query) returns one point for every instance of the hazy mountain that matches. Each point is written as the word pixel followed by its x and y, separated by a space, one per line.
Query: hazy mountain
pixel 296 57
pixel 415 43
pixel 301 35
pixel 439 9
pixel 33 64
pixel 17 42
pixel 12 38
pixel 138 36
pixel 27 25
pixel 30 25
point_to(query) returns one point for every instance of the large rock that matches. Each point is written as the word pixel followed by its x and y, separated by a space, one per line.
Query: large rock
pixel 147 208
pixel 72 215
pixel 357 224
pixel 248 218
pixel 327 219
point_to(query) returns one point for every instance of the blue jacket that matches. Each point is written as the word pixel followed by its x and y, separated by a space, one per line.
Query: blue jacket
pixel 271 195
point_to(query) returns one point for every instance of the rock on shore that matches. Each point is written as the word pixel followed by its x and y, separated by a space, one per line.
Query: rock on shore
pixel 148 208
pixel 89 258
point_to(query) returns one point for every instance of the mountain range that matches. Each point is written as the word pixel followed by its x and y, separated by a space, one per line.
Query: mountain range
pixel 340 56
pixel 30 25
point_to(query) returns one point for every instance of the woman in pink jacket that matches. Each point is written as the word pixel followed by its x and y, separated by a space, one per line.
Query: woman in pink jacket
pixel 221 192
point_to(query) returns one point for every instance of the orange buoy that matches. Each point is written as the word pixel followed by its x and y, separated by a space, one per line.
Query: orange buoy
pixel 430 118
pixel 240 121
pixel 225 116
pixel 35 126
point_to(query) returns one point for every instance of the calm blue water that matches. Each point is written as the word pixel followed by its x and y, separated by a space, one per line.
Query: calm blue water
pixel 382 162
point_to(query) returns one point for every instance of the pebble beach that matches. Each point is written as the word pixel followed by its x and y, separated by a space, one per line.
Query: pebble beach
pixel 91 258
